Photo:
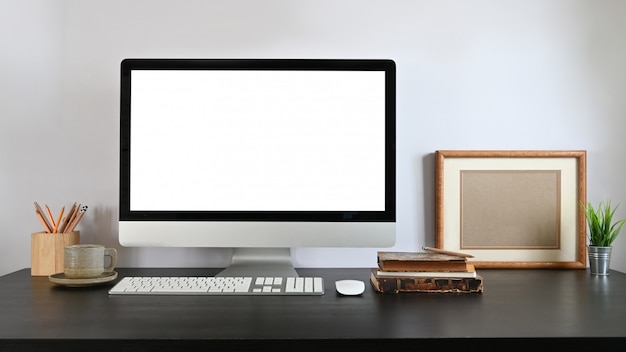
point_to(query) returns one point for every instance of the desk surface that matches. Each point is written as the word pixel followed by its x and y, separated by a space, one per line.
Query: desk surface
pixel 532 304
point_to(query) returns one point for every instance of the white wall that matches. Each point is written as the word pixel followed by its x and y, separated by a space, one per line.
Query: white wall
pixel 486 74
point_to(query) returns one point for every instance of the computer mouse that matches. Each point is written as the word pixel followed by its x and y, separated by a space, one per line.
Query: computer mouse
pixel 350 287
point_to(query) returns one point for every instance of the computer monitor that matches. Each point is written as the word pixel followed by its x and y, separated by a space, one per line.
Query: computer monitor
pixel 258 155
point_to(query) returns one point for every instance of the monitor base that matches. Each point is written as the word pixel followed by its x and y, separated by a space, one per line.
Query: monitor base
pixel 275 262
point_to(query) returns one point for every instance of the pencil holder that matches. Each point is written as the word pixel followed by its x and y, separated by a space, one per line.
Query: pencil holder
pixel 47 251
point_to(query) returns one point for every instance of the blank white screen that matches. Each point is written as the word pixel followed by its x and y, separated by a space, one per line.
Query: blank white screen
pixel 230 140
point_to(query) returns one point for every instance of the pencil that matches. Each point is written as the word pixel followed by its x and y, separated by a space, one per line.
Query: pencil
pixel 43 222
pixel 442 251
pixel 77 219
pixel 70 217
pixel 66 220
pixel 43 217
pixel 56 226
pixel 51 217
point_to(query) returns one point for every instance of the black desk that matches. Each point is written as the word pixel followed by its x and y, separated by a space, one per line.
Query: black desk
pixel 560 307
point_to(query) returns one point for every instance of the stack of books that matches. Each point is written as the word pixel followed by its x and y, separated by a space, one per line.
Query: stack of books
pixel 424 272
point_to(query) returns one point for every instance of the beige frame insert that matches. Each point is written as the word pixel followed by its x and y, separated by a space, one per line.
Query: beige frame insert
pixel 512 208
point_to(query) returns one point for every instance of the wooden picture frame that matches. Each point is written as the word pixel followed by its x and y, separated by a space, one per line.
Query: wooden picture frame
pixel 512 208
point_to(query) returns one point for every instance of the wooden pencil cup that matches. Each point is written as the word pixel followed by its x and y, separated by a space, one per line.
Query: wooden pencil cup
pixel 47 251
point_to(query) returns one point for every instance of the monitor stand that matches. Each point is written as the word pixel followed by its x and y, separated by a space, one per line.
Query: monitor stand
pixel 260 262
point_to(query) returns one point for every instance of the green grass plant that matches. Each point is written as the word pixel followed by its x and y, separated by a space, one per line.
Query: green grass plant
pixel 602 229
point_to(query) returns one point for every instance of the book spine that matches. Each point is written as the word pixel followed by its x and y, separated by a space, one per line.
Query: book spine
pixel 415 284
pixel 423 266
pixel 426 274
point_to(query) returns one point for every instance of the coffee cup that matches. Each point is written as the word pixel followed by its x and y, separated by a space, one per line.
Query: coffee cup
pixel 86 261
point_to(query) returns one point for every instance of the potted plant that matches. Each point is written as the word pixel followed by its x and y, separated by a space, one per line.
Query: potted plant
pixel 602 232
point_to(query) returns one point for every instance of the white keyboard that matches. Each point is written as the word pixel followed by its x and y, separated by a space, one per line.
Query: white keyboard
pixel 310 286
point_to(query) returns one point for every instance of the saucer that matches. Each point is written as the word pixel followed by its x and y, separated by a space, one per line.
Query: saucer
pixel 61 279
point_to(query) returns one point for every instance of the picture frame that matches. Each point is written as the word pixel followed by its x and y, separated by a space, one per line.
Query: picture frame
pixel 512 208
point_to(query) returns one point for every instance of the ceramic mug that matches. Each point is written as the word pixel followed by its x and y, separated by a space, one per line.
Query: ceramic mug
pixel 86 261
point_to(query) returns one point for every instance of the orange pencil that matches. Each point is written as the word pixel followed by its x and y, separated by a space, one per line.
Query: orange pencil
pixel 43 222
pixel 66 220
pixel 43 217
pixel 56 226
pixel 80 214
pixel 51 217
pixel 70 218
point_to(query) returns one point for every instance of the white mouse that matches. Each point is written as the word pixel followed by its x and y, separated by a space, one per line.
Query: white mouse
pixel 350 287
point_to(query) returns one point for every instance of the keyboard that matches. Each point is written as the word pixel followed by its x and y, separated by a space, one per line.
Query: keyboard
pixel 219 286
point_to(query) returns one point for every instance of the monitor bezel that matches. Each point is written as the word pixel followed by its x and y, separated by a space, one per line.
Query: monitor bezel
pixel 385 65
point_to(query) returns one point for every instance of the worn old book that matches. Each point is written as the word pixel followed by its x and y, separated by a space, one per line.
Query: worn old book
pixel 383 284
pixel 421 261
pixel 471 272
